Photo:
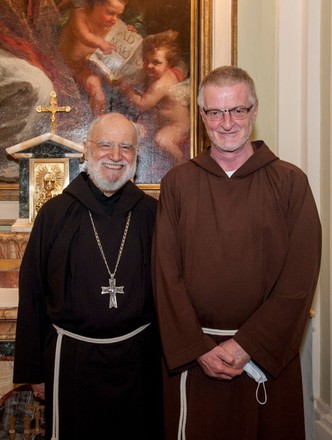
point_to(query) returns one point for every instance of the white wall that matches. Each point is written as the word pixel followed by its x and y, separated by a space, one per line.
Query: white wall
pixel 324 404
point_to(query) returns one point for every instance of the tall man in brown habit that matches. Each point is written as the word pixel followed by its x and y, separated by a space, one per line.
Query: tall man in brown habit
pixel 86 320
pixel 237 255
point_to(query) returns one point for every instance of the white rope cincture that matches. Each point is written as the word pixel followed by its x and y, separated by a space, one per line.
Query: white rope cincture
pixel 183 406
pixel 250 368
pixel 183 381
pixel 55 424
pixel 61 332
pixel 217 332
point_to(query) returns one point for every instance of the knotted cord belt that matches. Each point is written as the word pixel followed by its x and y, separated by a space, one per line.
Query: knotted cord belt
pixel 61 332
pixel 183 380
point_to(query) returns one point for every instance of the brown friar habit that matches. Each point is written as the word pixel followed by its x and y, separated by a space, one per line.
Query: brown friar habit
pixel 239 253
pixel 106 391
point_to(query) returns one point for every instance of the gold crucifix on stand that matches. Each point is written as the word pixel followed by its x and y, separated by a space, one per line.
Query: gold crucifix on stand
pixel 53 109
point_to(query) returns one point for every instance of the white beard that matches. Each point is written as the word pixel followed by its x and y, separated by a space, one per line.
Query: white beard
pixel 106 185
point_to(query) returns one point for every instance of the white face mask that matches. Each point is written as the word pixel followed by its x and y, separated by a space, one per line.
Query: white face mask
pixel 257 374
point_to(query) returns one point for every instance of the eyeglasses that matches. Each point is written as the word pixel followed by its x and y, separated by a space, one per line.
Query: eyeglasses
pixel 125 147
pixel 235 113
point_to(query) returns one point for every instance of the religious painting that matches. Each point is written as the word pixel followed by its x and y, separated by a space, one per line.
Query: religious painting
pixel 48 177
pixel 141 58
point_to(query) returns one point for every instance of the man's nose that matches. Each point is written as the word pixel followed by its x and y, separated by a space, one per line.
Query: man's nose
pixel 227 121
pixel 115 153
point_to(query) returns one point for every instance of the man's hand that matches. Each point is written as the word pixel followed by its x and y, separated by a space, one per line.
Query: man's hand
pixel 225 361
pixel 240 356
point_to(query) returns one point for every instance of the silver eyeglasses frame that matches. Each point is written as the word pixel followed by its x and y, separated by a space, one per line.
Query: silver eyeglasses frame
pixel 239 112
pixel 124 147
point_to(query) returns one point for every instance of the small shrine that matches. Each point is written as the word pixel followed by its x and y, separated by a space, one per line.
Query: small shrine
pixel 47 163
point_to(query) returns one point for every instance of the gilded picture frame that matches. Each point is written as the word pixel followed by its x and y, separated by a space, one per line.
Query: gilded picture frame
pixel 198 16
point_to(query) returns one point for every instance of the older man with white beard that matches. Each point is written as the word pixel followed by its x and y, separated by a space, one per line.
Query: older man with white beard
pixel 86 322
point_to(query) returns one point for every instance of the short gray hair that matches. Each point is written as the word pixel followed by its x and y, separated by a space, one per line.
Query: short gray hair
pixel 225 76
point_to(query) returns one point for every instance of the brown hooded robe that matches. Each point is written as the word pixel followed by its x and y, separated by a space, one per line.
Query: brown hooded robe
pixel 236 253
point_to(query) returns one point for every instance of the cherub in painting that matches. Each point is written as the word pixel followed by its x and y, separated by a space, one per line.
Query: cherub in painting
pixel 82 35
pixel 166 93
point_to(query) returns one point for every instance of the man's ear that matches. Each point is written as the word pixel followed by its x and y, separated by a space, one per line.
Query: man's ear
pixel 255 111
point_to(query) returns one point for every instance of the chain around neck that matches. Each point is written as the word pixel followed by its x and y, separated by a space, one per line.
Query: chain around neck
pixel 112 275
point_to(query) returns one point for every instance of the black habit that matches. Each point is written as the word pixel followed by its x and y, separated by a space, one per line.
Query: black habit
pixel 105 390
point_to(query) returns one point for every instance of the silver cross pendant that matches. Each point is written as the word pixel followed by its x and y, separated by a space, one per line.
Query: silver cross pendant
pixel 112 289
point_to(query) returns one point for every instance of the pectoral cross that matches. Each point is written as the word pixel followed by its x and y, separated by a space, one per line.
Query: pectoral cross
pixel 53 109
pixel 112 289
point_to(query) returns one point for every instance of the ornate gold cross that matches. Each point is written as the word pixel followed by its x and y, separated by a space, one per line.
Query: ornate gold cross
pixel 53 109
